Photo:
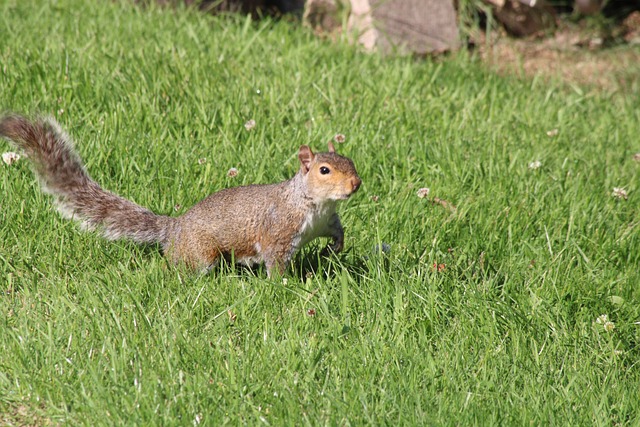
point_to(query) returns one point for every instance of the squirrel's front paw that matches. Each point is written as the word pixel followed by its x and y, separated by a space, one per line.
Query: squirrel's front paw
pixel 332 249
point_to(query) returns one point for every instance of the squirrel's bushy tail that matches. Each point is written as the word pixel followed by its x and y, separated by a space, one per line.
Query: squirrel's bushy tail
pixel 79 197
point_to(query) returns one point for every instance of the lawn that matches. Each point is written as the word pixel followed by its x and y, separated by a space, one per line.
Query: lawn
pixel 486 307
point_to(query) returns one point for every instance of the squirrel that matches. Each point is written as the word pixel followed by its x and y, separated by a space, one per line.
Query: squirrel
pixel 260 223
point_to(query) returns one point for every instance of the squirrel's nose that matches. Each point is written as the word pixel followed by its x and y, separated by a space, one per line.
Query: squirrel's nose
pixel 355 183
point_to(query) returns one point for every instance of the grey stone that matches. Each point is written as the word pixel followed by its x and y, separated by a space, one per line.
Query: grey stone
pixel 418 26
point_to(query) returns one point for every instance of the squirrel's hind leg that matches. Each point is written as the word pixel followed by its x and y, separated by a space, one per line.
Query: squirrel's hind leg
pixel 275 267
pixel 194 257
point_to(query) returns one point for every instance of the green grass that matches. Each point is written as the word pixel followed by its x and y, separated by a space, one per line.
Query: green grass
pixel 106 333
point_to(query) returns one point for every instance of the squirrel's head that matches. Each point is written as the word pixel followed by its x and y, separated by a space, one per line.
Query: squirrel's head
pixel 329 176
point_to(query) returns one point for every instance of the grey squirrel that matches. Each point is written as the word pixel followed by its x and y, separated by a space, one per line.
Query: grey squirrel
pixel 253 224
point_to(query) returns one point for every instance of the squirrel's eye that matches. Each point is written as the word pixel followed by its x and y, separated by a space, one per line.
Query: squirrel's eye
pixel 324 170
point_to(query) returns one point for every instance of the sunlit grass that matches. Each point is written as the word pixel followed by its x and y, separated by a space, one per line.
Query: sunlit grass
pixel 476 304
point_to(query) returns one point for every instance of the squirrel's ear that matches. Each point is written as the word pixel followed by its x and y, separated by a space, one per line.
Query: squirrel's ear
pixel 332 149
pixel 306 157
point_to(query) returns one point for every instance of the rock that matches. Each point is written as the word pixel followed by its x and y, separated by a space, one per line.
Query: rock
pixel 631 28
pixel 361 23
pixel 418 26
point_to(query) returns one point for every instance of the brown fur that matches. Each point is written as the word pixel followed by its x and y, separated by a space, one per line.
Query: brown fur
pixel 252 224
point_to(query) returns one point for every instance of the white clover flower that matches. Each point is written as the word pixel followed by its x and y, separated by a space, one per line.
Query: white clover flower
pixel 619 193
pixel 535 165
pixel 339 138
pixel 552 132
pixel 197 419
pixel 10 157
pixel 607 324
pixel 202 160
pixel 250 124
pixel 423 192
pixel 233 172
